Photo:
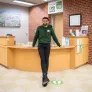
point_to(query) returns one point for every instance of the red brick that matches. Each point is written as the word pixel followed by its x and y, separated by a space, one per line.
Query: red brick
pixel 36 14
pixel 70 7
pixel 85 8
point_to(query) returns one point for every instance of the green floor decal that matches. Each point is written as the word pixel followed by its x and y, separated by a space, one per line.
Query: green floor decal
pixel 56 82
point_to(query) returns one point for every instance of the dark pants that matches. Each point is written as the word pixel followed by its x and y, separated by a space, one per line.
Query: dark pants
pixel 44 51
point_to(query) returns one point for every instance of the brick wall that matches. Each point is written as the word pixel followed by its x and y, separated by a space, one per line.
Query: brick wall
pixel 36 15
pixel 85 8
pixel 70 7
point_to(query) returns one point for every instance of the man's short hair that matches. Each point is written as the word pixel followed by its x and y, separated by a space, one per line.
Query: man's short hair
pixel 46 18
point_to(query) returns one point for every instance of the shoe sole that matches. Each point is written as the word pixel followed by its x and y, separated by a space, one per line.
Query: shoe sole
pixel 45 82
pixel 45 85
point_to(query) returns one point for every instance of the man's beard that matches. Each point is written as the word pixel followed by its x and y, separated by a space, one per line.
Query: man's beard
pixel 45 24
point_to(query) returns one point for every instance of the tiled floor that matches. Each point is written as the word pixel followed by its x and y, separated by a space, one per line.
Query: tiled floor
pixel 78 80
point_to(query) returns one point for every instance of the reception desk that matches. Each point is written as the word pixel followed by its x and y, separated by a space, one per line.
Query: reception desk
pixel 27 58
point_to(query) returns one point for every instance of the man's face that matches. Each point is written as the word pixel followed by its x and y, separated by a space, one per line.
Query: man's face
pixel 45 22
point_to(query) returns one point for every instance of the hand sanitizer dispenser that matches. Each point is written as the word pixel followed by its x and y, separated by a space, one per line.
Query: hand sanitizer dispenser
pixel 66 41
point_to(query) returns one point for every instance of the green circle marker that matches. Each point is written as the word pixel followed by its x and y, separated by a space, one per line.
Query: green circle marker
pixel 56 82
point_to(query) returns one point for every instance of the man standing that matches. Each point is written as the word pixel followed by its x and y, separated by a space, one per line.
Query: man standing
pixel 43 34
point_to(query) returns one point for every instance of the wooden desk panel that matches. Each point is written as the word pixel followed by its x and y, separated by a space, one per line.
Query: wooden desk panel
pixel 27 58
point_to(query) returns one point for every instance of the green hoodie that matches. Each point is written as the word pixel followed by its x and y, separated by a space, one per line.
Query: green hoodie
pixel 43 34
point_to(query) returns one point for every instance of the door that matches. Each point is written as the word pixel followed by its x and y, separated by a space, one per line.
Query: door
pixel 57 22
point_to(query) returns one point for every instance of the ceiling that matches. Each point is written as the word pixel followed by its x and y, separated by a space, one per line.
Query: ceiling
pixel 30 1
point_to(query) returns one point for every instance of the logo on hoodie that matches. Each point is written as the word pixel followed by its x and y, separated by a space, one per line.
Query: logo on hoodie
pixel 48 30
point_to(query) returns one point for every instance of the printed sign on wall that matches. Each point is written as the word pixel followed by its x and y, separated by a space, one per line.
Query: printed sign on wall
pixel 9 19
pixel 55 7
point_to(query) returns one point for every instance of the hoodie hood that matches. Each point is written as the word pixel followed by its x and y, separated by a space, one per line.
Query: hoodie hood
pixel 50 26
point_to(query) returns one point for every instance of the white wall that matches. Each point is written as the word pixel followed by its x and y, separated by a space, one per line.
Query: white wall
pixel 21 34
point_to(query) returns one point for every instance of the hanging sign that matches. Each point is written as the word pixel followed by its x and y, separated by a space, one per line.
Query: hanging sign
pixel 55 7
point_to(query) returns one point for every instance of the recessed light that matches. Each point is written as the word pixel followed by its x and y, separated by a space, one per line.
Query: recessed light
pixel 45 0
pixel 22 2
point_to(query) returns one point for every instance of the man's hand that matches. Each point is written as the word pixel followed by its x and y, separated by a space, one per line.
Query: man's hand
pixel 59 45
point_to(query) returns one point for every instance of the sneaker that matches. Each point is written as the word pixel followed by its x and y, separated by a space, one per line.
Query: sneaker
pixel 45 80
pixel 44 85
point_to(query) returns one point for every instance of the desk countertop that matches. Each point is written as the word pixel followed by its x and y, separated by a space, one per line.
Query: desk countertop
pixel 26 47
